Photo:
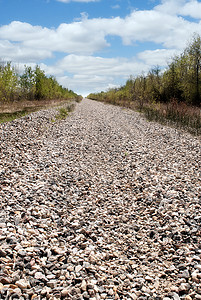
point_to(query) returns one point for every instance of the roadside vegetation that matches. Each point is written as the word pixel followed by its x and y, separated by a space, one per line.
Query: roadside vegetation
pixel 63 112
pixel 170 96
pixel 30 91
pixel 7 117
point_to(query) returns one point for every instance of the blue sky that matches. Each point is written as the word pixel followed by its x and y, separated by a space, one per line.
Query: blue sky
pixel 93 45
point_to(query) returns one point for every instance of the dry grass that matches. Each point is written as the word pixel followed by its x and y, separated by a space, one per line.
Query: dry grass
pixel 18 109
pixel 176 114
pixel 11 107
pixel 179 115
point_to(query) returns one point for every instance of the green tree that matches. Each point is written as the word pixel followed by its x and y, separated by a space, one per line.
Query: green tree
pixel 8 83
pixel 40 84
pixel 193 51
pixel 27 83
pixel 171 82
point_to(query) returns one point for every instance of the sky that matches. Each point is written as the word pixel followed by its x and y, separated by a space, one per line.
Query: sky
pixel 94 45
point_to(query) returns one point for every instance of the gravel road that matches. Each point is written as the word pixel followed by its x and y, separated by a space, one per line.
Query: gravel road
pixel 101 205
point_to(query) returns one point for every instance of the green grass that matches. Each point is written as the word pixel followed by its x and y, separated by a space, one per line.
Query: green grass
pixel 8 117
pixel 62 114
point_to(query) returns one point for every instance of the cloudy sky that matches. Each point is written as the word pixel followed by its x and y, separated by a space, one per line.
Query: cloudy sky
pixel 93 45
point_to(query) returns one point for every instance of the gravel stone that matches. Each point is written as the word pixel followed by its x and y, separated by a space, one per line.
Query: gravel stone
pixel 101 205
pixel 22 284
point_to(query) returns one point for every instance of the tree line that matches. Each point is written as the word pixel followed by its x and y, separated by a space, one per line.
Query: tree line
pixel 33 84
pixel 180 82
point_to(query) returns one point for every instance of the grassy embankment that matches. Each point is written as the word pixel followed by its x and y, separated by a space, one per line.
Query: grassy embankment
pixel 12 111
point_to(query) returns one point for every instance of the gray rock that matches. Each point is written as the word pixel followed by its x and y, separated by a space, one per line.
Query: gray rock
pixel 101 205
pixel 184 274
pixel 22 284
pixel 175 296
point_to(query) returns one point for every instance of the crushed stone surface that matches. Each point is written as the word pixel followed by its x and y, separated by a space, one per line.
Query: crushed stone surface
pixel 101 205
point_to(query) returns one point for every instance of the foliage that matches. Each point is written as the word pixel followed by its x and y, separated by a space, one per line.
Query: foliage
pixel 63 113
pixel 7 117
pixel 8 82
pixel 178 88
pixel 20 109
pixel 33 84
pixel 177 114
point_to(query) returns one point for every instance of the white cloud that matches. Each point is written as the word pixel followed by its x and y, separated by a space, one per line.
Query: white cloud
pixel 90 65
pixel 21 32
pixel 191 8
pixel 81 40
pixel 78 83
pixel 153 26
pixel 77 37
pixel 170 7
pixel 94 83
pixel 159 57
pixel 89 73
pixel 19 53
pixel 88 36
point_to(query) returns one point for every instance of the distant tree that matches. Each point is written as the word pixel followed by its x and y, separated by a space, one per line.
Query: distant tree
pixel 33 84
pixel 8 82
pixel 154 84
pixel 27 83
pixel 193 51
pixel 171 83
